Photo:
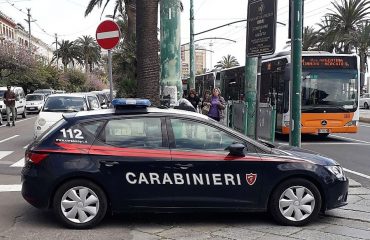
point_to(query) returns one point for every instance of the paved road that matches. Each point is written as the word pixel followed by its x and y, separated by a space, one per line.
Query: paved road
pixel 19 220
pixel 352 151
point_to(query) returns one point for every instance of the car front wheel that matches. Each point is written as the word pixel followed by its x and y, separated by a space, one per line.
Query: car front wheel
pixel 80 204
pixel 295 202
pixel 24 114
pixel 366 105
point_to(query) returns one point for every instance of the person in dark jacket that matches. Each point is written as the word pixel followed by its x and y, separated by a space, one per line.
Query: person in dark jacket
pixel 193 98
pixel 9 101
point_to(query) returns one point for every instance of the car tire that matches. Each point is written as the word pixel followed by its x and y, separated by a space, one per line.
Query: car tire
pixel 286 205
pixel 16 115
pixel 366 105
pixel 71 197
pixel 24 115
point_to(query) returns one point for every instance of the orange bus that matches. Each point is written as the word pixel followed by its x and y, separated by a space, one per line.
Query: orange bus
pixel 330 91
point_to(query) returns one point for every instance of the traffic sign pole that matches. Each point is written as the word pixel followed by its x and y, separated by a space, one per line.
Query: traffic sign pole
pixel 108 35
pixel 110 75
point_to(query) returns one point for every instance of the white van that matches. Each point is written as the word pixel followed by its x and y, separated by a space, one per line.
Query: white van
pixel 20 101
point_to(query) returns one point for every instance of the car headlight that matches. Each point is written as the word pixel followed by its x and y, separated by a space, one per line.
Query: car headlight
pixel 41 122
pixel 337 171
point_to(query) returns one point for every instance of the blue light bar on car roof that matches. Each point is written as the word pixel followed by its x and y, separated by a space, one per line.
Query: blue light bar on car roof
pixel 132 102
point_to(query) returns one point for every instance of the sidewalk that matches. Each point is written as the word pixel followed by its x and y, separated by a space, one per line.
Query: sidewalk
pixel 365 115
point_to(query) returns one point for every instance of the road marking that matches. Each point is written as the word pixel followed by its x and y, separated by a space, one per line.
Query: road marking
pixel 26 146
pixel 4 154
pixel 333 143
pixel 4 122
pixel 11 188
pixel 20 163
pixel 357 173
pixel 351 139
pixel 362 125
pixel 6 139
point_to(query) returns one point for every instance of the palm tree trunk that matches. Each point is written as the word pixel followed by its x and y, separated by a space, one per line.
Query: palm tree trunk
pixel 86 65
pixel 131 17
pixel 147 50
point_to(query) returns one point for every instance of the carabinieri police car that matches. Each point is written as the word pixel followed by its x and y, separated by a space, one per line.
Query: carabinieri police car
pixel 138 157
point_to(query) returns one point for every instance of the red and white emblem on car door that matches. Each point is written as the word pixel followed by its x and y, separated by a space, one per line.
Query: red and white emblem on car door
pixel 251 178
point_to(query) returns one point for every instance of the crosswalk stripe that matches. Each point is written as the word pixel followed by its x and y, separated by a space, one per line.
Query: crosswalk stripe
pixel 6 139
pixel 4 154
pixel 11 188
pixel 20 163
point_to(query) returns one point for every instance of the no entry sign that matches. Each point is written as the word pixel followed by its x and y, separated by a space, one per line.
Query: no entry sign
pixel 108 34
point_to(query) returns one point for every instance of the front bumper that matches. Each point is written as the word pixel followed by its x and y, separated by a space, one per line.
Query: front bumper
pixel 337 194
pixel 33 108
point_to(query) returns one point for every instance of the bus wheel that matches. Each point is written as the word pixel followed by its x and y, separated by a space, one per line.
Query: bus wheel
pixel 324 135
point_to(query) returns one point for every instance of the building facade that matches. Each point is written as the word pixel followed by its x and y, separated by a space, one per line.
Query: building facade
pixel 200 60
pixel 15 33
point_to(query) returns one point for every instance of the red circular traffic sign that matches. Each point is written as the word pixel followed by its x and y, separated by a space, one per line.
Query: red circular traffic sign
pixel 108 34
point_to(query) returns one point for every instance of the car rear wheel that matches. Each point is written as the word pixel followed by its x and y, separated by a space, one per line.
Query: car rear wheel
pixel 80 204
pixel 295 202
pixel 366 105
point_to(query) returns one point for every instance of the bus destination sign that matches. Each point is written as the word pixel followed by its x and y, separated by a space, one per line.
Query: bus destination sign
pixel 344 62
pixel 261 27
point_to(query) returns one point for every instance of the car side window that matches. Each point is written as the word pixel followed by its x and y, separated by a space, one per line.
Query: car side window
pixel 92 127
pixel 93 101
pixel 134 133
pixel 194 135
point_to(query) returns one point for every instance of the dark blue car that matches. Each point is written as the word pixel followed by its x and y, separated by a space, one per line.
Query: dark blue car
pixel 137 157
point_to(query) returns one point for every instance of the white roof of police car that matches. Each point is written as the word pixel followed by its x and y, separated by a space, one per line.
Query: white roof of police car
pixel 149 109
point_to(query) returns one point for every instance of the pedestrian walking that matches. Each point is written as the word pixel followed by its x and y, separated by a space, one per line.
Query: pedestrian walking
pixel 193 99
pixel 9 101
pixel 216 104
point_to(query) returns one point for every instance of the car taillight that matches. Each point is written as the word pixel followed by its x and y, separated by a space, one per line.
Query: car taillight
pixel 35 158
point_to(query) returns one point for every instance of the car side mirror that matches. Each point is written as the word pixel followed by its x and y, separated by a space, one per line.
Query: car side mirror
pixel 236 149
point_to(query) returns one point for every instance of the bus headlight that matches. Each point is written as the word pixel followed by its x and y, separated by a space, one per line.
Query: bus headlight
pixel 351 123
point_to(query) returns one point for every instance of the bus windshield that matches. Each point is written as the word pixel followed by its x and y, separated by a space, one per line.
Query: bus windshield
pixel 329 89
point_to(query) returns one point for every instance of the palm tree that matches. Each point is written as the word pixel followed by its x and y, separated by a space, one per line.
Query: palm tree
pixel 327 35
pixel 227 62
pixel 310 39
pixel 346 16
pixel 69 52
pixel 90 51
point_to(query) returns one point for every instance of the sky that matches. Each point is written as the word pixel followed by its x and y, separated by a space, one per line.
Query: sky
pixel 66 18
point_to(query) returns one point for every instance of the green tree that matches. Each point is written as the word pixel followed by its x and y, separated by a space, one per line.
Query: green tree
pixel 310 39
pixel 69 52
pixel 227 62
pixel 75 81
pixel 90 51
pixel 346 16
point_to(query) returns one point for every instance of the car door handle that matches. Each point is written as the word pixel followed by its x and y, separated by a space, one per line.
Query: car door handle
pixel 109 163
pixel 184 166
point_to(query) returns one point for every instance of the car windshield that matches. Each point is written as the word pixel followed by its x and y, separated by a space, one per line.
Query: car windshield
pixel 43 91
pixel 65 104
pixel 34 98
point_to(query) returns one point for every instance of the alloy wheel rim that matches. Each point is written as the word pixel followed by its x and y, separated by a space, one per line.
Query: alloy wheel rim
pixel 80 204
pixel 296 203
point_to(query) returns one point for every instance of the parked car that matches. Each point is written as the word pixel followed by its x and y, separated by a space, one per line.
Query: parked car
pixel 20 102
pixel 35 102
pixel 135 157
pixel 59 91
pixel 58 104
pixel 103 98
pixel 46 92
pixel 365 101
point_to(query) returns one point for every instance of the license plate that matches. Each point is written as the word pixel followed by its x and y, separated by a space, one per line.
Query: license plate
pixel 32 108
pixel 323 130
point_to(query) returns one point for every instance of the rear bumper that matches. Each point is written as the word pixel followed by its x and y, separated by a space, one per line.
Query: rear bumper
pixel 35 188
